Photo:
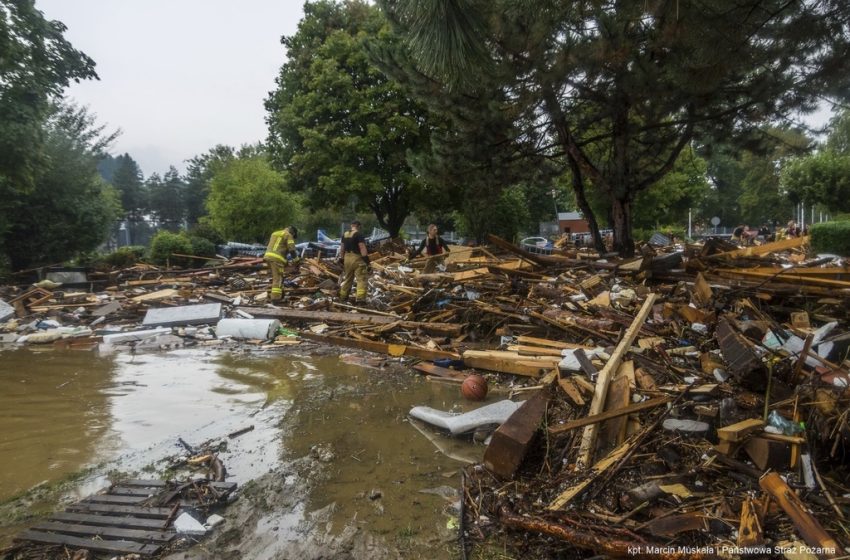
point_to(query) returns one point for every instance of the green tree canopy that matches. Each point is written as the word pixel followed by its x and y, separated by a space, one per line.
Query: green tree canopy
pixel 70 208
pixel 249 200
pixel 199 172
pixel 339 127
pixel 167 199
pixel 823 177
pixel 616 90
pixel 36 64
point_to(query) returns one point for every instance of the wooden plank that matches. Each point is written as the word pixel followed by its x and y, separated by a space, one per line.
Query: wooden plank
pixel 532 341
pixel 119 547
pixel 749 531
pixel 788 277
pixel 120 490
pixel 812 532
pixel 150 512
pixel 381 347
pixel 612 432
pixel 511 440
pixel 571 390
pixel 320 316
pixel 109 532
pixel 228 486
pixel 156 296
pixel 828 271
pixel 108 520
pixel 470 274
pixel 781 245
pixel 588 441
pixel 702 291
pixel 510 362
pixel 111 499
pixel 588 420
pixel 534 351
pixel 740 430
pixel 611 459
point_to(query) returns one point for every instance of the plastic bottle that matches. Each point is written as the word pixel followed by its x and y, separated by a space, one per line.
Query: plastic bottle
pixel 788 427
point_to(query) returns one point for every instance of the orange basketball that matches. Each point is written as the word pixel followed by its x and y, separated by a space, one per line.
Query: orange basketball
pixel 474 388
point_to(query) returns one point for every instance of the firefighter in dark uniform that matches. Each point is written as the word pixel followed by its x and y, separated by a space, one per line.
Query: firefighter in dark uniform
pixel 355 263
pixel 280 251
pixel 433 245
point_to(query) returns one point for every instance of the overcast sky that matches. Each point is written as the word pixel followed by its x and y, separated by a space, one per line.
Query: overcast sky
pixel 178 76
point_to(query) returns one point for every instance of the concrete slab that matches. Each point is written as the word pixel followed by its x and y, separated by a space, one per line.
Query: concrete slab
pixel 457 424
pixel 204 313
pixel 105 310
pixel 6 311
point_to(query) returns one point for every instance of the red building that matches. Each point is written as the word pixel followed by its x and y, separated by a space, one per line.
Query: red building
pixel 572 222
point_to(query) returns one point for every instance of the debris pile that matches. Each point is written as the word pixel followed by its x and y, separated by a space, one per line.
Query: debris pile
pixel 681 404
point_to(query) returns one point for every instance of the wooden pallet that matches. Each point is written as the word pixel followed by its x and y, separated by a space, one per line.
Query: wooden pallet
pixel 118 521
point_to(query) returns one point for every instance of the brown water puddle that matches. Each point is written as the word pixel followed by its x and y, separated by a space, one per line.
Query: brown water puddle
pixel 63 411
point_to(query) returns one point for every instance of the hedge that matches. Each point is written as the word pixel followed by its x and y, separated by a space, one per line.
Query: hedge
pixel 831 237
pixel 164 243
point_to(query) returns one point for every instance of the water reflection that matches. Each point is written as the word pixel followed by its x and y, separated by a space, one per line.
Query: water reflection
pixel 54 414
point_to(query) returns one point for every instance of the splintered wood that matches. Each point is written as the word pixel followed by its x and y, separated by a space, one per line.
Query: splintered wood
pixel 588 441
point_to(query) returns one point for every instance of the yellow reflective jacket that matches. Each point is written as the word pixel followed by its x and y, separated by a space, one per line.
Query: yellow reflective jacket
pixel 280 243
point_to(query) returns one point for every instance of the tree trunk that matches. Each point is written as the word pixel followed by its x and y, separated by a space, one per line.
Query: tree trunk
pixel 584 205
pixel 621 214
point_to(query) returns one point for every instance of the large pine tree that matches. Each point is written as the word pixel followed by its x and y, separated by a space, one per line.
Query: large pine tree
pixel 619 88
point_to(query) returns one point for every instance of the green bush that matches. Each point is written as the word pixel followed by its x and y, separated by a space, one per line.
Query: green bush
pixel 123 257
pixel 165 243
pixel 831 237
pixel 205 230
pixel 202 247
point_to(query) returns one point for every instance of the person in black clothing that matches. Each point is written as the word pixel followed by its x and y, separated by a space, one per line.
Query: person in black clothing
pixel 355 263
pixel 433 245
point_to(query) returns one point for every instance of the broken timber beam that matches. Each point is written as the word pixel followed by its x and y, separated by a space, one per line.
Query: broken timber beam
pixel 436 329
pixel 811 531
pixel 588 441
pixel 599 543
pixel 782 245
pixel 380 347
pixel 588 420
pixel 512 439
pixel 510 362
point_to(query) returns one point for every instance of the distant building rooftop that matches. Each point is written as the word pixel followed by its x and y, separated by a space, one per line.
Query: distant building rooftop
pixel 562 216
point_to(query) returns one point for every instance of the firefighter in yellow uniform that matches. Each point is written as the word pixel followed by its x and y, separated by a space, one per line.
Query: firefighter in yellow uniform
pixel 355 263
pixel 281 245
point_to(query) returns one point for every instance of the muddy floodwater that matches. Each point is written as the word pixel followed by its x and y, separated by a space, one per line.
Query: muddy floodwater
pixel 331 453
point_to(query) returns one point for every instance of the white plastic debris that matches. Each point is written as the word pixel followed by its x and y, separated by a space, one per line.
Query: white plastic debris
pixel 570 362
pixel 188 525
pixel 213 520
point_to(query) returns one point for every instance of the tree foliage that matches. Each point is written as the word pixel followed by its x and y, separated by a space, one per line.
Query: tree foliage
pixel 166 199
pixel 199 172
pixel 36 64
pixel 249 200
pixel 823 177
pixel 69 208
pixel 617 90
pixel 339 127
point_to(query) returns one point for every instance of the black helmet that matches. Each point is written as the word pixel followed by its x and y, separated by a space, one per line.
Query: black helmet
pixel 293 231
